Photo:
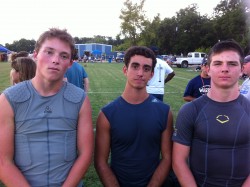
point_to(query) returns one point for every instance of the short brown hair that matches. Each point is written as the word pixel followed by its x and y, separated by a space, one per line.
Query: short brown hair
pixel 62 35
pixel 226 45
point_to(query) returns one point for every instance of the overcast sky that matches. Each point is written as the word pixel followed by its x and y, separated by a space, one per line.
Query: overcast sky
pixel 29 18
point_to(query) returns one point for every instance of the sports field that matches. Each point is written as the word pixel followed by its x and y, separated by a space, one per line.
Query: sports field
pixel 106 83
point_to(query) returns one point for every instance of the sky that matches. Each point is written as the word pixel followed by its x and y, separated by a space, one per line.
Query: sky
pixel 29 18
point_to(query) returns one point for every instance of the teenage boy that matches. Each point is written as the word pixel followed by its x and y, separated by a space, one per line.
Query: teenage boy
pixel 136 128
pixel 46 134
pixel 213 131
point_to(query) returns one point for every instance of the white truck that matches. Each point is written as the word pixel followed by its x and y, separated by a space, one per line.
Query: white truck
pixel 193 58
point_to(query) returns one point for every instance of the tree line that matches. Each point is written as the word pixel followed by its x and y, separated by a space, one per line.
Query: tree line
pixel 187 31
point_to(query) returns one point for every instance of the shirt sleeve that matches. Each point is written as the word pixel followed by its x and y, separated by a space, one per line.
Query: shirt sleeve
pixel 184 127
pixel 84 73
pixel 168 69
pixel 189 89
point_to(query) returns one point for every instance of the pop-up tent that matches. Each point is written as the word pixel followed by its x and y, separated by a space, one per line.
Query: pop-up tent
pixel 96 52
pixel 3 49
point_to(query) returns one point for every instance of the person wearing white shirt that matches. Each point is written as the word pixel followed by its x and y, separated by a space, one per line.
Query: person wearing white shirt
pixel 245 87
pixel 162 74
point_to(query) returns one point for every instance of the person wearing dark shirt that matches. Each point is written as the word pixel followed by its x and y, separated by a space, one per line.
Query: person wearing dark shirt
pixel 199 85
pixel 136 128
pixel 212 133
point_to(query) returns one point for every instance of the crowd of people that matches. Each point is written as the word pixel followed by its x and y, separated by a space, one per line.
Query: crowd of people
pixel 46 131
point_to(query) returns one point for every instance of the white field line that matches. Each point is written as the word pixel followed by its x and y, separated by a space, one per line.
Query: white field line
pixel 102 92
pixel 120 92
pixel 181 78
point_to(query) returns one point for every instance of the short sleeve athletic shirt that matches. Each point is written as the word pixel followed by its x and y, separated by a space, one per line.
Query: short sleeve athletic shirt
pixel 219 138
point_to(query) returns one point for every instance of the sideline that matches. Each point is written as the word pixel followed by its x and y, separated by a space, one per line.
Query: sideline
pixel 181 78
pixel 120 92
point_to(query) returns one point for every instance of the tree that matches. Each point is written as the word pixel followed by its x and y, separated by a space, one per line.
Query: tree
pixel 188 27
pixel 182 33
pixel 148 36
pixel 207 37
pixel 133 20
pixel 231 21
pixel 229 5
pixel 22 45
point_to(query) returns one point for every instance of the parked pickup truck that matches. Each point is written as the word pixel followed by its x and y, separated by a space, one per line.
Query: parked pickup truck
pixel 193 58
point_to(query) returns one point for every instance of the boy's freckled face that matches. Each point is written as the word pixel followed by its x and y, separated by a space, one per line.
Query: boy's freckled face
pixel 53 59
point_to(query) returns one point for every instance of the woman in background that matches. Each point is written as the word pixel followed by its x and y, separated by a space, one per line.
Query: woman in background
pixel 23 68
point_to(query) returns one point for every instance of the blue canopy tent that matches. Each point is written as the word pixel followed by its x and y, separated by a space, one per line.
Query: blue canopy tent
pixel 3 53
pixel 96 52
pixel 3 49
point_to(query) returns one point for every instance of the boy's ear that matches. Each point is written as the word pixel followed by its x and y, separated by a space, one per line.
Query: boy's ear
pixel 70 63
pixel 124 69
pixel 208 70
pixel 152 74
pixel 35 55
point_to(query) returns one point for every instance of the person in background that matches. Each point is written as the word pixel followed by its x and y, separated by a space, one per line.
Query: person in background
pixel 3 57
pixel 136 128
pixel 46 133
pixel 15 55
pixel 77 75
pixel 162 74
pixel 170 60
pixel 245 87
pixel 212 135
pixel 199 85
pixel 23 68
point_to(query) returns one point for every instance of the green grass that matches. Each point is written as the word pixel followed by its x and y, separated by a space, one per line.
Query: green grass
pixel 106 83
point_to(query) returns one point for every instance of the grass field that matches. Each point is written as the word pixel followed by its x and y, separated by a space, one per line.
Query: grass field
pixel 106 83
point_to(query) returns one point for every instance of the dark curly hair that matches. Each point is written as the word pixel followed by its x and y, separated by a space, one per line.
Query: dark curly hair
pixel 139 50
